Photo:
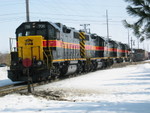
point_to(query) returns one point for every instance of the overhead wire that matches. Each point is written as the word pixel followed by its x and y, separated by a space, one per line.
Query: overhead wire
pixel 45 4
pixel 63 14
pixel 10 3
pixel 11 14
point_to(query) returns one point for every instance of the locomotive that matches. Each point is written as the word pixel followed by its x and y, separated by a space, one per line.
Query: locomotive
pixel 51 50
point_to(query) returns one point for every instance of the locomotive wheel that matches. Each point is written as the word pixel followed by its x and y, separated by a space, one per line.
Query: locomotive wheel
pixel 55 72
pixel 80 68
pixel 92 66
pixel 87 68
pixel 104 64
pixel 95 66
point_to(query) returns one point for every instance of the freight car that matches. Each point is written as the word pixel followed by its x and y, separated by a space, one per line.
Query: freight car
pixel 139 55
pixel 50 50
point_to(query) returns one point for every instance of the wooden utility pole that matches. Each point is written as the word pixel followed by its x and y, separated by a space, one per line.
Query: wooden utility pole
pixel 27 11
pixel 107 24
pixel 128 38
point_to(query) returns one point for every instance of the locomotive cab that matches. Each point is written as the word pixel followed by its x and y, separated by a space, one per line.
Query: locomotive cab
pixel 34 49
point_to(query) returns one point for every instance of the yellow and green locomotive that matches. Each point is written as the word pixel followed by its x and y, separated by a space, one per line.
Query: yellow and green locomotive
pixel 51 50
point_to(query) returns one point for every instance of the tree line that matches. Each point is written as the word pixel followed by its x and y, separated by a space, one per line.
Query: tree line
pixel 5 58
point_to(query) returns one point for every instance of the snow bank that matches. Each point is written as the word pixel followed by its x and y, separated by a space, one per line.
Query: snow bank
pixel 29 104
pixel 4 80
pixel 3 77
pixel 3 73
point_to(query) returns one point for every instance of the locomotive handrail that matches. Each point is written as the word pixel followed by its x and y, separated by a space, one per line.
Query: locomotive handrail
pixel 32 51
pixel 11 40
pixel 15 48
pixel 46 57
pixel 50 51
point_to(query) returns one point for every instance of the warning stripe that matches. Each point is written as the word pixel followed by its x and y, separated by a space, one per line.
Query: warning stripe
pixel 82 47
pixel 82 51
pixel 81 35
pixel 82 44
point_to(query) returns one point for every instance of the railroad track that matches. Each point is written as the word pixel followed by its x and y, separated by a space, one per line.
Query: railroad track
pixel 8 89
pixel 6 86
pixel 11 85
pixel 128 63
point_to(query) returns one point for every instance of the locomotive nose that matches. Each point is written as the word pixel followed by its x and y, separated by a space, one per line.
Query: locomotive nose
pixel 30 47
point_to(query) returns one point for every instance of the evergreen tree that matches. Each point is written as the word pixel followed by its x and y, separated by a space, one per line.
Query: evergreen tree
pixel 141 10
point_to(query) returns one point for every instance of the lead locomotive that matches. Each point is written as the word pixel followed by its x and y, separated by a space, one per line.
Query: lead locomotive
pixel 51 50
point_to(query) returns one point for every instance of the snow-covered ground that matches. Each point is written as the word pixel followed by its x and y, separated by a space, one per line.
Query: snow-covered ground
pixel 3 77
pixel 120 90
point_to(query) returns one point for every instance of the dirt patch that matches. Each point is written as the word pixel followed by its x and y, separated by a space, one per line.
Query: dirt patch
pixel 64 94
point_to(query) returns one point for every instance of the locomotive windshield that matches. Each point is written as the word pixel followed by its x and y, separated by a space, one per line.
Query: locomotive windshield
pixel 36 28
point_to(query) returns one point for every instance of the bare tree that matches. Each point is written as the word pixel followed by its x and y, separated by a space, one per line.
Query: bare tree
pixel 5 58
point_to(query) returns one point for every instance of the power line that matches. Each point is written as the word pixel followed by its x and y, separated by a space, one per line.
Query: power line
pixel 11 14
pixel 67 19
pixel 12 20
pixel 58 14
pixel 12 3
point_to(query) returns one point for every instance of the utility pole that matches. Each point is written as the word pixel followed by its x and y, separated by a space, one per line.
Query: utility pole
pixel 27 10
pixel 85 27
pixel 138 42
pixel 128 38
pixel 132 43
pixel 107 24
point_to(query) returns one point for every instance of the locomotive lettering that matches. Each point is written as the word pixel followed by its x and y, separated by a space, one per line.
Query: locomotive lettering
pixel 28 42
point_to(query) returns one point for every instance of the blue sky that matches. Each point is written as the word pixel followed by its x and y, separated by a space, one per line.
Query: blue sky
pixel 69 12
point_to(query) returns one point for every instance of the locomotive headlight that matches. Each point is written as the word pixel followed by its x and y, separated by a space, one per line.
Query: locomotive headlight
pixel 14 64
pixel 39 63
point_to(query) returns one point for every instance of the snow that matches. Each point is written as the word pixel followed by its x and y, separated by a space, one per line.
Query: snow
pixel 119 90
pixel 3 77
pixel 4 80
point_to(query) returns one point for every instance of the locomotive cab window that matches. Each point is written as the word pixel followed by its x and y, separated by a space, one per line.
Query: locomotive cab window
pixel 66 30
pixel 41 29
pixel 51 32
pixel 19 34
pixel 31 29
pixel 87 37
pixel 29 33
pixel 76 35
pixel 58 35
pixel 41 32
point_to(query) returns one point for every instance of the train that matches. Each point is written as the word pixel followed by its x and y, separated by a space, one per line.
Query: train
pixel 139 55
pixel 52 50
